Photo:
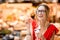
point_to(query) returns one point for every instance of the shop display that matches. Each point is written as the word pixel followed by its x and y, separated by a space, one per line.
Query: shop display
pixel 16 15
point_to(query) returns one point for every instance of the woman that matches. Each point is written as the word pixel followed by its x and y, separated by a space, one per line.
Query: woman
pixel 42 29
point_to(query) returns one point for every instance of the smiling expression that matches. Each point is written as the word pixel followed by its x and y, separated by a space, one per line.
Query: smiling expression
pixel 41 13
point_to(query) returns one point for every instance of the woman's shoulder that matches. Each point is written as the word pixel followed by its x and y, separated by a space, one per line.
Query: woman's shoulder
pixel 53 27
pixel 50 30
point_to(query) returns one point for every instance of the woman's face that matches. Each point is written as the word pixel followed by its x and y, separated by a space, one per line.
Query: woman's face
pixel 41 13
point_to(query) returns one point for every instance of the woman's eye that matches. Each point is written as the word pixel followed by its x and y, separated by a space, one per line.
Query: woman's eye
pixel 41 11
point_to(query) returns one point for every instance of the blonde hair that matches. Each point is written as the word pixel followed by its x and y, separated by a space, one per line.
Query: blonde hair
pixel 46 7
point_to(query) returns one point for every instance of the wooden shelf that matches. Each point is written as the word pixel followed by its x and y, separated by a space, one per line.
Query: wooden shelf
pixel 20 28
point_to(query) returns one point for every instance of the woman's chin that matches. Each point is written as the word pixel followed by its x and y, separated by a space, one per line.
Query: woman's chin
pixel 40 19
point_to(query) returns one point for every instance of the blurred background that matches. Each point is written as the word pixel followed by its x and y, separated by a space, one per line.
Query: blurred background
pixel 15 13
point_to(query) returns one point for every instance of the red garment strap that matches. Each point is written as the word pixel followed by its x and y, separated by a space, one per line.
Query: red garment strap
pixel 33 27
pixel 49 31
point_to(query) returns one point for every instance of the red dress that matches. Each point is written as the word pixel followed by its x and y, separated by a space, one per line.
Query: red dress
pixel 34 25
pixel 47 34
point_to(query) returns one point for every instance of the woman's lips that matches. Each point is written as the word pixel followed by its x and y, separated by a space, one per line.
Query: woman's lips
pixel 40 15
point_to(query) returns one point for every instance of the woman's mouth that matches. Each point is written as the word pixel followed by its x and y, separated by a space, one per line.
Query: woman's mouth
pixel 40 15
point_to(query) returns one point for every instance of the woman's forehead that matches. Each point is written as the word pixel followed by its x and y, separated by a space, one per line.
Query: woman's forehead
pixel 41 8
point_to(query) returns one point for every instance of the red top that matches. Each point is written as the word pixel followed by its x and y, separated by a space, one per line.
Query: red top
pixel 33 27
pixel 47 34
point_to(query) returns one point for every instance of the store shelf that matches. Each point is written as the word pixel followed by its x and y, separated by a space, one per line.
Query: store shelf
pixel 20 28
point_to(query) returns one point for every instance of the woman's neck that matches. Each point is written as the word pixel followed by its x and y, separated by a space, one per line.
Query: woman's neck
pixel 43 24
